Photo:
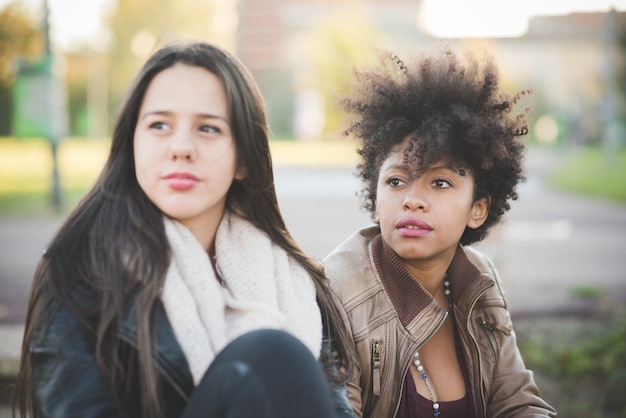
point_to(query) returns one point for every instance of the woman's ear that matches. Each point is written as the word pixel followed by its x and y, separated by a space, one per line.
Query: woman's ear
pixel 479 212
pixel 241 173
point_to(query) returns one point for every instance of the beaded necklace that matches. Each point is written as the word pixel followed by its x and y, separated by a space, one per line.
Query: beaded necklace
pixel 418 363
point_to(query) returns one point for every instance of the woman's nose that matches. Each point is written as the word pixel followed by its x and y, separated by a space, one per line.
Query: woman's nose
pixel 182 146
pixel 414 200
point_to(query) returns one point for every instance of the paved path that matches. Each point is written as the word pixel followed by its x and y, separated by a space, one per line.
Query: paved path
pixel 551 247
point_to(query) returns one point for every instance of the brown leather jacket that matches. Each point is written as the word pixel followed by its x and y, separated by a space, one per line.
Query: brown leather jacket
pixel 387 331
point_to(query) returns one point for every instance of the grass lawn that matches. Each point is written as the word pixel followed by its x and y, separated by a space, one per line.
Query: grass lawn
pixel 26 173
pixel 26 168
pixel 592 172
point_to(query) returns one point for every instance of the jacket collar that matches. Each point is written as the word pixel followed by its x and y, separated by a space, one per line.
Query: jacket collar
pixel 470 276
pixel 407 295
pixel 467 281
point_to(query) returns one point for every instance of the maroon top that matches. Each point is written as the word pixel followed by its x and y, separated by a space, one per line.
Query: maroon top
pixel 413 405
pixel 409 298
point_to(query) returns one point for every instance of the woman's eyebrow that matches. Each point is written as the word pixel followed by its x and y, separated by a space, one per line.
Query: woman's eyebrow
pixel 169 113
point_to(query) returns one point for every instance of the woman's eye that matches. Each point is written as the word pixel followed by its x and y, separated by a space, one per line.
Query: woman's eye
pixel 158 125
pixel 394 181
pixel 209 129
pixel 441 183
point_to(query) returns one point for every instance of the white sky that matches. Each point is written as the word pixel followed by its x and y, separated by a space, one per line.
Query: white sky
pixel 80 21
pixel 485 18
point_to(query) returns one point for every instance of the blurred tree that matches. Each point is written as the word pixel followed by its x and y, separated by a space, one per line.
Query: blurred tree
pixel 613 129
pixel 76 79
pixel 621 69
pixel 333 46
pixel 138 27
pixel 19 39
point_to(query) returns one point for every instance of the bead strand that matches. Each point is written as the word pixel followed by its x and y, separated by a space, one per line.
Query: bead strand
pixel 429 387
pixel 420 367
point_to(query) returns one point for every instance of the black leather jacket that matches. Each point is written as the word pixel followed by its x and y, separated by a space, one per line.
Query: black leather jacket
pixel 69 383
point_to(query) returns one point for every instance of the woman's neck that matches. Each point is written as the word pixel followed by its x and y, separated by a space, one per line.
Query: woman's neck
pixel 205 233
pixel 431 278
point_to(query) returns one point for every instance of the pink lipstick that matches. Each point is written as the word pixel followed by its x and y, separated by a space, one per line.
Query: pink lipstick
pixel 411 227
pixel 181 181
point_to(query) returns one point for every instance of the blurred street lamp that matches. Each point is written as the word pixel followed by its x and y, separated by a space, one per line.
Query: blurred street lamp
pixel 612 132
pixel 39 104
pixel 547 130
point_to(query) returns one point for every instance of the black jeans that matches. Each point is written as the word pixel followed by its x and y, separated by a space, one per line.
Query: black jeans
pixel 262 374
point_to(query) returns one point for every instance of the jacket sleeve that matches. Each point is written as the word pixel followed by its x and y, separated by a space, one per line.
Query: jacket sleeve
pixel 341 402
pixel 352 390
pixel 67 380
pixel 514 392
pixel 354 395
pixel 339 391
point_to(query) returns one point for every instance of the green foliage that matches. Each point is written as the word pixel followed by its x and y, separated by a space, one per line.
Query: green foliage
pixel 18 40
pixel 592 171
pixel 76 80
pixel 602 359
pixel 587 292
pixel 596 360
pixel 598 357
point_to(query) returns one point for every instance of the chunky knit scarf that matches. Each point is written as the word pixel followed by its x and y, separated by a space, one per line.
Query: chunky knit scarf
pixel 262 287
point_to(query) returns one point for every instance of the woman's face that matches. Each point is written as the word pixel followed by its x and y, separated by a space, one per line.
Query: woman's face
pixel 423 216
pixel 185 155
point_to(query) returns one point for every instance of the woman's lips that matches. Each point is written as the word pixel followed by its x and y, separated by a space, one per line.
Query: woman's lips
pixel 181 181
pixel 409 227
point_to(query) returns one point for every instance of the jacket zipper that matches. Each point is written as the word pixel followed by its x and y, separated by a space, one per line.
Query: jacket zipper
pixel 408 362
pixel 491 326
pixel 490 329
pixel 376 367
pixel 375 349
pixel 479 374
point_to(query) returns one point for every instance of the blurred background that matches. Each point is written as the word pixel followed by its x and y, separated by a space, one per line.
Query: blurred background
pixel 301 52
pixel 65 65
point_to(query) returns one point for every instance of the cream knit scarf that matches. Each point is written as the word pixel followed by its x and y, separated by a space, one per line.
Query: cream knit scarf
pixel 262 288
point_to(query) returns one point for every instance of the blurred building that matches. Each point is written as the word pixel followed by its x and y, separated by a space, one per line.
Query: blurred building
pixel 575 65
pixel 569 61
pixel 267 26
pixel 272 39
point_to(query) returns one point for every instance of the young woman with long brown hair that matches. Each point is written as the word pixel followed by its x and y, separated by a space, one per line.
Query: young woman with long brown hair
pixel 174 287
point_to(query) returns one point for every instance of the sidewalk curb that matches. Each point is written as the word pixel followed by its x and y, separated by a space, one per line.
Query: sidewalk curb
pixel 10 350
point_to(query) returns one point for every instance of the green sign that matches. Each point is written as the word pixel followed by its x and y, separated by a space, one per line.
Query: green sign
pixel 39 102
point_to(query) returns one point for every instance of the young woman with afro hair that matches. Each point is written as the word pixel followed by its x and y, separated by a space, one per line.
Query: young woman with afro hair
pixel 442 155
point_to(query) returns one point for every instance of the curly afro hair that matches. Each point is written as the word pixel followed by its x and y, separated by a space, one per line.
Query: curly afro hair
pixel 452 111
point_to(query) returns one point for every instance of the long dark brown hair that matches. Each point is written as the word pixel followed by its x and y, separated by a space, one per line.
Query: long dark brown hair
pixel 114 244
